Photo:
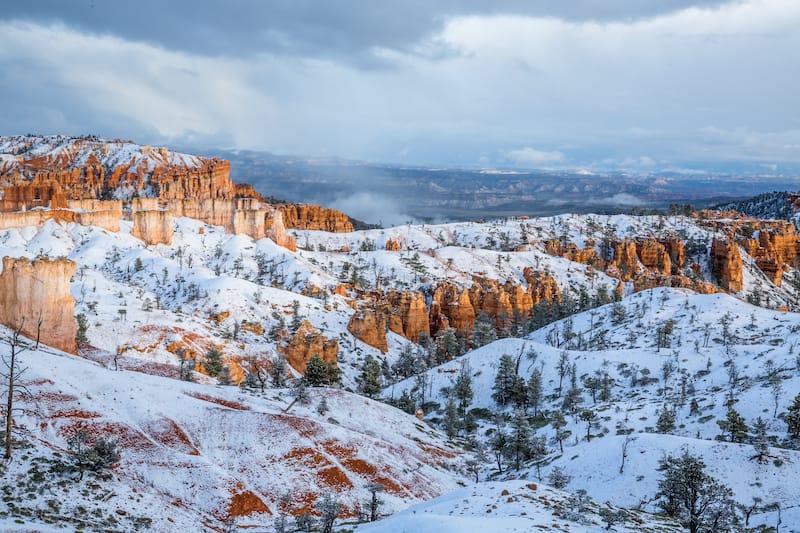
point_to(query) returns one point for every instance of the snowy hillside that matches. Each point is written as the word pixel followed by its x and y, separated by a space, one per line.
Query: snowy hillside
pixel 507 506
pixel 195 456
pixel 664 349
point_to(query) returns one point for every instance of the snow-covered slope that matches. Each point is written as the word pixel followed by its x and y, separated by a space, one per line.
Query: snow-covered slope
pixel 194 456
pixel 719 351
pixel 514 506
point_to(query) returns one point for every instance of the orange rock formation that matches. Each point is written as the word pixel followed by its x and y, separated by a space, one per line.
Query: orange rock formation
pixel 36 296
pixel 726 264
pixel 306 342
pixel 315 217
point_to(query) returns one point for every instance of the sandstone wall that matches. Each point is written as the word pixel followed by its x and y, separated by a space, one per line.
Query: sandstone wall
pixel 315 217
pixel 39 289
pixel 306 342
pixel 153 227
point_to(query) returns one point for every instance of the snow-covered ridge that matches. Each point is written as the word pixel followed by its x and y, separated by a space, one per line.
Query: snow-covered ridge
pixel 66 152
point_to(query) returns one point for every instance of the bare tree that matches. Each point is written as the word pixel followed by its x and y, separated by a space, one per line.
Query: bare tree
pixel 12 378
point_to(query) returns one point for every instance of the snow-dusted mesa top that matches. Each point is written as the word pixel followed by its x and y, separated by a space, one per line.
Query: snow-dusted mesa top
pixel 93 167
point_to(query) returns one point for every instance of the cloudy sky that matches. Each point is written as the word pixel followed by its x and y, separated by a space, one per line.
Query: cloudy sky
pixel 529 83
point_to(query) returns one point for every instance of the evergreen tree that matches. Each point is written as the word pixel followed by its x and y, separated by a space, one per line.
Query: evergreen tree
pixel 538 452
pixel 558 478
pixel 317 372
pixel 666 420
pixel 519 439
pixel 463 388
pixel 322 407
pixel 558 422
pixel 406 403
pixel 370 383
pixel 688 493
pixel 213 361
pixel 483 332
pixel 535 391
pixel 499 441
pixel 760 439
pixel 224 377
pixel 451 420
pixel 406 364
pixel 563 369
pixel 792 418
pixel 733 426
pixel 277 371
pixel 505 381
pixel 300 391
pixel 590 417
pixel 450 346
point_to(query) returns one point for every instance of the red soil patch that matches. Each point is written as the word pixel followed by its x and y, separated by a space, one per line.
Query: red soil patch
pixel 219 401
pixel 437 453
pixel 74 413
pixel 126 437
pixel 334 478
pixel 245 503
pixel 171 435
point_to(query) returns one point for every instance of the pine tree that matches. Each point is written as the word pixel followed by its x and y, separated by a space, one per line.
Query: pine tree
pixel 329 509
pixel 760 439
pixel 370 383
pixel 734 426
pixel 558 422
pixel 535 391
pixel 317 372
pixel 538 451
pixel 277 371
pixel 463 388
pixel 484 332
pixel 505 381
pixel 519 439
pixel 213 361
pixel 666 420
pixel 406 403
pixel 590 417
pixel 300 391
pixel 451 420
pixel 792 418
pixel 688 493
pixel 322 407
pixel 558 478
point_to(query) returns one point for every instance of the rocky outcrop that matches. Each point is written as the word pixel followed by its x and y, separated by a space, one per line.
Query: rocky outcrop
pixel 654 256
pixel 277 232
pixel 392 246
pixel 153 227
pixel 726 264
pixel 456 307
pixel 315 217
pixel 306 342
pixel 408 314
pixel 586 255
pixel 451 307
pixel 625 263
pixel 35 295
pixel 369 327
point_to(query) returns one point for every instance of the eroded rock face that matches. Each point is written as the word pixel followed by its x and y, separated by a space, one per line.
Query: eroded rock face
pixel 625 264
pixel 315 217
pixel 277 232
pixel 408 314
pixel 153 227
pixel 654 256
pixel 369 327
pixel 306 342
pixel 726 264
pixel 34 291
pixel 451 307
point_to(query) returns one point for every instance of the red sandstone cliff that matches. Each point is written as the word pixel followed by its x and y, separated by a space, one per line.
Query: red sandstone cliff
pixel 34 291
pixel 315 217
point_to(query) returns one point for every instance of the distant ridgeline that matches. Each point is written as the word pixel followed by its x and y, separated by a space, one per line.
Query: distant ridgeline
pixel 781 205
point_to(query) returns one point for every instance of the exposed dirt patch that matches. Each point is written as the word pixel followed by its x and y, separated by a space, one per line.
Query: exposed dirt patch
pixel 245 503
pixel 219 401
pixel 170 434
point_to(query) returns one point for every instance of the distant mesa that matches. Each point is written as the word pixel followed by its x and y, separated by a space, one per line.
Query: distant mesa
pixel 98 182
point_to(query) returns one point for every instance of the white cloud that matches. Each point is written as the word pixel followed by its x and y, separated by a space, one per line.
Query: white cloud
pixel 530 157
pixel 606 89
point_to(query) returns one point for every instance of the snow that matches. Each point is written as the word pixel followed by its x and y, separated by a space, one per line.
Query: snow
pixel 504 507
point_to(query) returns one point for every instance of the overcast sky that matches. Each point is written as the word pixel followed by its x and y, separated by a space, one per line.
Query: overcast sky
pixel 532 83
